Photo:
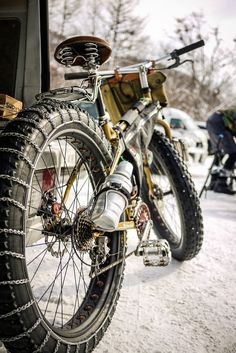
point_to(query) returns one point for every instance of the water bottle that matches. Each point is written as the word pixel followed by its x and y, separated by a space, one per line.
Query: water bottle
pixel 113 198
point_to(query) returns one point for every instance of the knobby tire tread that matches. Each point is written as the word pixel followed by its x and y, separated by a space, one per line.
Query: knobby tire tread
pixel 21 328
pixel 181 180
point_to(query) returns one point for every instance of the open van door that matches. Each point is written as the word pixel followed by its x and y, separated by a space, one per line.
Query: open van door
pixel 24 59
pixel 24 55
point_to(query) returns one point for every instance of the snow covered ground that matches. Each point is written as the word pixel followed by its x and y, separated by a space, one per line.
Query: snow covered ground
pixel 186 307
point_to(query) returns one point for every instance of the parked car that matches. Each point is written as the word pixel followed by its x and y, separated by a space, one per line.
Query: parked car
pixel 184 127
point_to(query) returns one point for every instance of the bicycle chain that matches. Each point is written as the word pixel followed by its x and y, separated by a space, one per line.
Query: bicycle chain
pixel 12 231
pixel 21 335
pixel 39 349
pixel 18 232
pixel 14 281
pixel 17 180
pixel 57 347
pixel 13 254
pixel 18 310
pixel 18 153
pixel 16 134
pixel 14 202
pixel 86 347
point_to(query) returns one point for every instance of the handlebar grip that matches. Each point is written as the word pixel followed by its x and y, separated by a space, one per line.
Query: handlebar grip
pixel 190 47
pixel 76 75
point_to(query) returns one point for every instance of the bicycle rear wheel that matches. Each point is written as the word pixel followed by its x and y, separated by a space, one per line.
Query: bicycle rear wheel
pixel 174 204
pixel 53 158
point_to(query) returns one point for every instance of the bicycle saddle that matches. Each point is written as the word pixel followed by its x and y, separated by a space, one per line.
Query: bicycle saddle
pixel 76 51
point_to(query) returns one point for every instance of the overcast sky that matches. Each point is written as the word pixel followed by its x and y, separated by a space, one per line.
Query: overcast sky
pixel 162 14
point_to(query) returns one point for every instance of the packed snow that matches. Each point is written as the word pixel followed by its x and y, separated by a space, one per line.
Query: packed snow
pixel 187 307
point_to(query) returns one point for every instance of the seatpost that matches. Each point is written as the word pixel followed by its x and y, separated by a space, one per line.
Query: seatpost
pixel 100 104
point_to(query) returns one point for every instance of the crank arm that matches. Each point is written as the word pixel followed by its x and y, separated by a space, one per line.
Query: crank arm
pixel 135 252
pixel 146 233
pixel 155 252
pixel 104 269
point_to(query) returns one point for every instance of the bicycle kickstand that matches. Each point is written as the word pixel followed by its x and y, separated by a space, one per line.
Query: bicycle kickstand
pixel 214 162
pixel 217 158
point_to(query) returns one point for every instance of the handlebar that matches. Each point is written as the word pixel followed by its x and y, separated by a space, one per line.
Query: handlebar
pixel 174 55
pixel 188 48
pixel 177 52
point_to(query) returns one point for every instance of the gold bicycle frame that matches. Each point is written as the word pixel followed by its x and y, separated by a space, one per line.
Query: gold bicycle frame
pixel 112 135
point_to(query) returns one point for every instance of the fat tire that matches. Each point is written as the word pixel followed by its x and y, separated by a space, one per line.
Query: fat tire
pixel 23 328
pixel 167 161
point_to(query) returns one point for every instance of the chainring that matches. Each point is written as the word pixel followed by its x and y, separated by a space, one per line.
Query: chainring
pixel 142 215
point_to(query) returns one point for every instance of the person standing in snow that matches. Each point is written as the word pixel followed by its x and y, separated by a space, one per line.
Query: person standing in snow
pixel 221 127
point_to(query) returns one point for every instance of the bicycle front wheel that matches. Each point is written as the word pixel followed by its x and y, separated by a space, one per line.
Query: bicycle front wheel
pixel 53 158
pixel 173 202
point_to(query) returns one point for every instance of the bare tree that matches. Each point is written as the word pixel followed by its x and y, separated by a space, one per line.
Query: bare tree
pixel 206 82
pixel 124 31
pixel 114 21
pixel 94 11
pixel 117 22
pixel 63 16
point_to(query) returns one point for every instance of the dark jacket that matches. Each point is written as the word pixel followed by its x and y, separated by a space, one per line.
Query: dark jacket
pixel 229 119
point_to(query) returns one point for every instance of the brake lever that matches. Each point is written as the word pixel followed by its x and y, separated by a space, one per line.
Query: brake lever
pixel 178 63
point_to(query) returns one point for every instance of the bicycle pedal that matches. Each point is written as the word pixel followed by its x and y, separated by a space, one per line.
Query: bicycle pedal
pixel 156 252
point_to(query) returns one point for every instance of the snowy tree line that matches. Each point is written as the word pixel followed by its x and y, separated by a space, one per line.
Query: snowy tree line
pixel 114 21
pixel 200 86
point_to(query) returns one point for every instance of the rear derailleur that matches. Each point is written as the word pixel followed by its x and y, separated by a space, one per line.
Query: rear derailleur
pixel 155 252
